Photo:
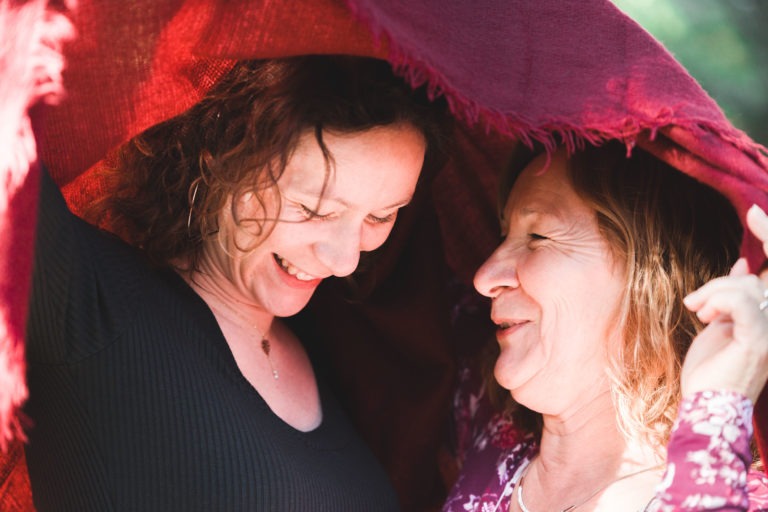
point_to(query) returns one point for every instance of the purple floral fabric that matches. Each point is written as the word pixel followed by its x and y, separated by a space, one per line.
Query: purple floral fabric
pixel 708 458
pixel 708 464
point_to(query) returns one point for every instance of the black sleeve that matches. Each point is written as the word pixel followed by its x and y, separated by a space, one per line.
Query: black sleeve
pixel 81 279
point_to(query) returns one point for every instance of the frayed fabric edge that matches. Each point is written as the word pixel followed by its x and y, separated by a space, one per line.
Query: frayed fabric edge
pixel 555 132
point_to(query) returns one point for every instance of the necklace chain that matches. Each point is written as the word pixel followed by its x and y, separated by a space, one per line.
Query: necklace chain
pixel 266 346
pixel 594 493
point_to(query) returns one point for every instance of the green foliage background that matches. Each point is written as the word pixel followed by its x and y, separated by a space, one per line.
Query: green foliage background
pixel 723 44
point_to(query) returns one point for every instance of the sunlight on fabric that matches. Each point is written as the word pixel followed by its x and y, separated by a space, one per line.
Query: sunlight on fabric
pixel 722 44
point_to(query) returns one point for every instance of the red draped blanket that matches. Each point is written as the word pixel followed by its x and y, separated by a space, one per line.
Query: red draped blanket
pixel 511 70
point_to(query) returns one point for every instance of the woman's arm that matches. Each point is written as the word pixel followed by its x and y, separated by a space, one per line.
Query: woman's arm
pixel 709 457
pixel 55 251
pixel 724 372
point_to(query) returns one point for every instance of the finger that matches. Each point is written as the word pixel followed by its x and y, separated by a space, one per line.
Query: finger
pixel 757 221
pixel 740 307
pixel 748 282
pixel 726 303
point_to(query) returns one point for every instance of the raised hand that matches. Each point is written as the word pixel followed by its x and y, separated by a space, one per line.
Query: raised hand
pixel 731 353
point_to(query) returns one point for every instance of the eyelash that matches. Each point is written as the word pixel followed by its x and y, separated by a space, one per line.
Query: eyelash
pixel 535 237
pixel 310 214
pixel 382 220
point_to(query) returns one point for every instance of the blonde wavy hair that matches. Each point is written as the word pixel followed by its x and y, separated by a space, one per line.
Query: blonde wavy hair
pixel 673 234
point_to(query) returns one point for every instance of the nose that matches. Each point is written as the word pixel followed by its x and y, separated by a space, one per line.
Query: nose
pixel 338 248
pixel 497 274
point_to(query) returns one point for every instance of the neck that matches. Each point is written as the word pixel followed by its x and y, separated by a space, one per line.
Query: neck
pixel 569 438
pixel 582 451
pixel 227 301
pixel 586 445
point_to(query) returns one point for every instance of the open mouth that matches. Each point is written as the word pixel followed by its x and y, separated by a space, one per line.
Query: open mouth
pixel 291 270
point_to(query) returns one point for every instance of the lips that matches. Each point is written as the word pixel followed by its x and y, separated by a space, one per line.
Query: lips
pixel 506 322
pixel 507 326
pixel 503 326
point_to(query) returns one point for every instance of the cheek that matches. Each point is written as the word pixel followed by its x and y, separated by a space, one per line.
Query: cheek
pixel 583 307
pixel 247 236
pixel 374 236
pixel 568 292
pixel 542 274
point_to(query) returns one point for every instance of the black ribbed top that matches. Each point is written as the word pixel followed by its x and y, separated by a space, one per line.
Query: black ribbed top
pixel 137 403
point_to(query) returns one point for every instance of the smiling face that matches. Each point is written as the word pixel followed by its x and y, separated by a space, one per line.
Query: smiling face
pixel 319 233
pixel 555 291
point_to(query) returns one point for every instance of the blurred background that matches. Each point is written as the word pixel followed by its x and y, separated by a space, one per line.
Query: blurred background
pixel 723 44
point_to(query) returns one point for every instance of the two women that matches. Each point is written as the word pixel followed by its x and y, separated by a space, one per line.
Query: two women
pixel 163 380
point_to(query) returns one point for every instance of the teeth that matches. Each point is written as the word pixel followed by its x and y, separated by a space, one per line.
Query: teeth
pixel 295 272
pixel 507 325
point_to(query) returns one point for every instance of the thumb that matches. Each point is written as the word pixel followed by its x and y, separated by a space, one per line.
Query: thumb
pixel 757 221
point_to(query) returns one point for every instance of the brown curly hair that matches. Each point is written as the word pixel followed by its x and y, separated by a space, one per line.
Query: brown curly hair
pixel 673 234
pixel 169 184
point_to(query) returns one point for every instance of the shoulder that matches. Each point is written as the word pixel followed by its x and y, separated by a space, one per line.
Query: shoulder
pixel 495 451
pixel 488 478
pixel 479 424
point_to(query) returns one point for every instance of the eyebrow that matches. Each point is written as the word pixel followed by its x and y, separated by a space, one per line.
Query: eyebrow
pixel 398 204
pixel 552 211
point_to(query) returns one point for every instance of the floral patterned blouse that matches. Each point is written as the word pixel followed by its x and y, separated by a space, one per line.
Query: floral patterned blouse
pixel 708 461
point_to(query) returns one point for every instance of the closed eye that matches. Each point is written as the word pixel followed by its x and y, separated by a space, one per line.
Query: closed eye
pixel 536 236
pixel 373 219
pixel 309 213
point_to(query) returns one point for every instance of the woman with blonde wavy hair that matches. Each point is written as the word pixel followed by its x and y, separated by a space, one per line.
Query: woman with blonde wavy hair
pixel 631 365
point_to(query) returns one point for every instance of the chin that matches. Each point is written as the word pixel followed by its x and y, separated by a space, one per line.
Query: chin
pixel 529 399
pixel 519 384
pixel 289 309
pixel 508 373
pixel 505 382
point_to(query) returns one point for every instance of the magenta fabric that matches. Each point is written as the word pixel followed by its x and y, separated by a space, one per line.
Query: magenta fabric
pixel 585 72
pixel 512 70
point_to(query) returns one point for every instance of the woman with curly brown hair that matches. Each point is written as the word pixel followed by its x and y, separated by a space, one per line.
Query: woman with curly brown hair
pixel 161 376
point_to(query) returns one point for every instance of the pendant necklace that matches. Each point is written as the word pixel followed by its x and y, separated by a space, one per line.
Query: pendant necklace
pixel 266 346
pixel 573 507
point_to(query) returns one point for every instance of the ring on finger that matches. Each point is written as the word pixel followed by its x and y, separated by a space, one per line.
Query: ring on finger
pixel 764 304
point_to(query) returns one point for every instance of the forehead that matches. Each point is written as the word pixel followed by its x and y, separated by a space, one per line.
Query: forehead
pixel 379 165
pixel 544 188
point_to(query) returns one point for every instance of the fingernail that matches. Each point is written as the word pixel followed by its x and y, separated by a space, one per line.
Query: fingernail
pixel 756 208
